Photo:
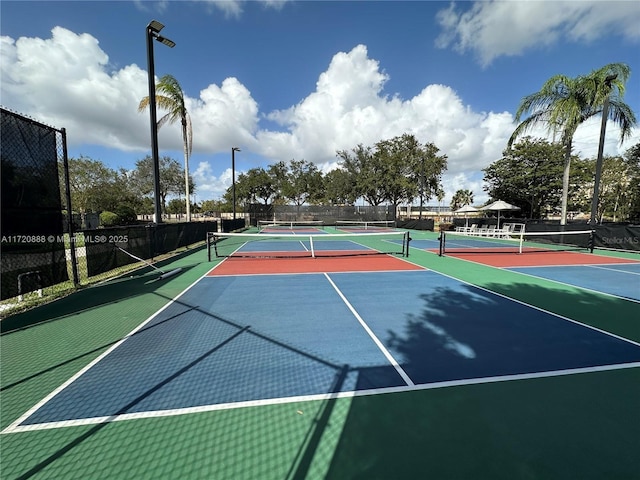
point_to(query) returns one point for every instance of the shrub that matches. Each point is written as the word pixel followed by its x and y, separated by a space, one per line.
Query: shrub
pixel 109 219
pixel 126 214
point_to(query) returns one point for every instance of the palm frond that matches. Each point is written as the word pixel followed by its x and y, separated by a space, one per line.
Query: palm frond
pixel 144 103
pixel 170 98
pixel 623 116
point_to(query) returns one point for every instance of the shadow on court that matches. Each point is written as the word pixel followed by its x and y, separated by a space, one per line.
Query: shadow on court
pixel 572 426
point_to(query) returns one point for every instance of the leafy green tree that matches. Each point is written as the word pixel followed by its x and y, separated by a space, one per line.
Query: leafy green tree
pixel 261 185
pixel 613 198
pixel 170 97
pixel 96 187
pixel 175 206
pixel 529 175
pixel 89 180
pixel 564 103
pixel 632 159
pixel 171 178
pixel 618 187
pixel 146 206
pixel 256 184
pixel 212 206
pixel 363 165
pixel 242 191
pixel 427 168
pixel 397 157
pixel 303 183
pixel 395 170
pixel 339 188
pixel 278 172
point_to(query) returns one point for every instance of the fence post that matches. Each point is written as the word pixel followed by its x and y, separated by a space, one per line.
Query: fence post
pixel 67 191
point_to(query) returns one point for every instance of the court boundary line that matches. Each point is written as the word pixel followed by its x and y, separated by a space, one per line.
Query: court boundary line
pixel 317 397
pixel 83 370
pixel 601 267
pixel 373 336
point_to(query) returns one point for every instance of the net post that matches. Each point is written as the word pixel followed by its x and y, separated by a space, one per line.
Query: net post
pixel 211 241
pixel 442 243
pixel 215 245
pixel 591 241
pixel 521 242
pixel 313 253
pixel 406 242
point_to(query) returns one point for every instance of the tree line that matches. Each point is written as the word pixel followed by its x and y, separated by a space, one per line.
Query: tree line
pixel 97 188
pixel 396 171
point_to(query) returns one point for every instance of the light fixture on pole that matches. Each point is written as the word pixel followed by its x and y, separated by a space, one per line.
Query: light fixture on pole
pixel 153 33
pixel 233 178
pixel 603 128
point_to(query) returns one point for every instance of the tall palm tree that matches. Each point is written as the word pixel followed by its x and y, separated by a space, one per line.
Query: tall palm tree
pixel 564 103
pixel 169 97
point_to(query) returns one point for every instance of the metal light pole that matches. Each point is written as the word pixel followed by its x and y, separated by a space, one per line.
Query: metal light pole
pixel 603 127
pixel 233 177
pixel 153 30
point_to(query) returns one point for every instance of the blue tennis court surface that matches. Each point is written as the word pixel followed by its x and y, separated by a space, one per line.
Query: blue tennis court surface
pixel 229 340
pixel 622 279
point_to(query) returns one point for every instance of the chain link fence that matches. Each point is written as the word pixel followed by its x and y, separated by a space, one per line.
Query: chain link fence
pixel 33 252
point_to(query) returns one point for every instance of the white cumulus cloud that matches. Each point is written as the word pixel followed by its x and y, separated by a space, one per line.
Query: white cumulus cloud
pixel 491 29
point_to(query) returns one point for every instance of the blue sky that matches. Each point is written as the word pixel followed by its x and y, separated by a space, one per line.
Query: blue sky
pixel 302 79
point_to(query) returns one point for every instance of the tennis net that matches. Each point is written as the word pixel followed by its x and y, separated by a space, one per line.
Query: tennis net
pixel 273 245
pixel 276 225
pixel 365 225
pixel 521 242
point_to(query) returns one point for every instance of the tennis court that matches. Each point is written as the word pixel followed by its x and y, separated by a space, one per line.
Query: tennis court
pixel 306 354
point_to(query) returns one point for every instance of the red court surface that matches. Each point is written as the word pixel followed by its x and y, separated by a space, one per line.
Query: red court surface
pixel 358 263
pixel 535 259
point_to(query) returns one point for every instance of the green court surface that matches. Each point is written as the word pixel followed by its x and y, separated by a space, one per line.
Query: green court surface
pixel 582 425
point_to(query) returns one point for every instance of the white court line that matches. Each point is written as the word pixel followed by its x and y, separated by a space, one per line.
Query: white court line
pixel 308 398
pixel 615 269
pixel 375 339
